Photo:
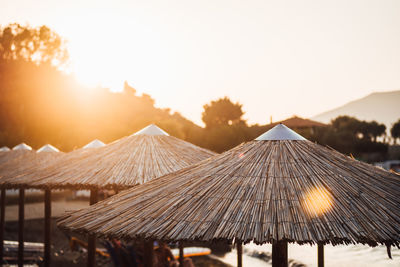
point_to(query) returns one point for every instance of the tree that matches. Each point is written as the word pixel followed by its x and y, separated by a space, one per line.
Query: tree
pixel 371 130
pixel 346 124
pixel 395 131
pixel 38 45
pixel 222 112
pixel 128 88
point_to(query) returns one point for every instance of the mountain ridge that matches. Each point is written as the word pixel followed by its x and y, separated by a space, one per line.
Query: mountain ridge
pixel 383 107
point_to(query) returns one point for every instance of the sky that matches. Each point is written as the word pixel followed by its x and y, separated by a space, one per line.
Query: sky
pixel 276 58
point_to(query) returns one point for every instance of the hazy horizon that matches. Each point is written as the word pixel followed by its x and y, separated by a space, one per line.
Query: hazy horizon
pixel 278 59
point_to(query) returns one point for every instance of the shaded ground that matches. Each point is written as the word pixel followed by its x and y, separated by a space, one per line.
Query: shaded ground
pixel 62 255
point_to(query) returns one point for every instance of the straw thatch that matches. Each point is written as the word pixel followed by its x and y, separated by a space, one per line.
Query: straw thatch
pixel 94 144
pixel 260 191
pixel 129 161
pixel 17 152
pixel 28 161
pixel 4 149
pixel 48 148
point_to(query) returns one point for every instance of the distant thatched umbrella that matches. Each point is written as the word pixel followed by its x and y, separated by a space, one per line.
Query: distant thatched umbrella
pixel 276 189
pixel 129 161
pixel 16 166
pixel 48 148
pixel 124 163
pixel 18 153
pixel 26 161
pixel 94 144
pixel 4 149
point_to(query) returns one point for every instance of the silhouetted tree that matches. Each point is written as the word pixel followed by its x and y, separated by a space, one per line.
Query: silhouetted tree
pixel 38 45
pixel 371 130
pixel 395 131
pixel 129 89
pixel 222 112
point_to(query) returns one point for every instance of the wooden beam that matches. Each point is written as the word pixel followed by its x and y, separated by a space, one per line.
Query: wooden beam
pixel 320 255
pixel 239 249
pixel 279 254
pixel 94 197
pixel 47 227
pixel 148 253
pixel 181 255
pixel 21 217
pixel 2 220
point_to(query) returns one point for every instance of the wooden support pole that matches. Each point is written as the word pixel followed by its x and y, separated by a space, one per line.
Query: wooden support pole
pixel 148 253
pixel 21 215
pixel 181 255
pixel 279 254
pixel 47 227
pixel 239 249
pixel 2 220
pixel 94 196
pixel 320 255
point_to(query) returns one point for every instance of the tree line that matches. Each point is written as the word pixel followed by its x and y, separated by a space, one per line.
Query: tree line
pixel 40 104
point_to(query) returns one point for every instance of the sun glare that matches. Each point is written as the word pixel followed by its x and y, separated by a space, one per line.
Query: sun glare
pixel 317 201
pixel 100 52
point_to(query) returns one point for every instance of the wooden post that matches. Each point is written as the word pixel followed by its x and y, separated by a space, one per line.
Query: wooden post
pixel 47 227
pixel 239 249
pixel 320 255
pixel 21 215
pixel 181 255
pixel 2 220
pixel 279 254
pixel 148 253
pixel 94 196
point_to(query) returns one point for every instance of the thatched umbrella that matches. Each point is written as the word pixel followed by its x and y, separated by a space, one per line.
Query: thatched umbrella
pixel 4 149
pixel 18 153
pixel 25 163
pixel 95 143
pixel 276 189
pixel 47 154
pixel 127 162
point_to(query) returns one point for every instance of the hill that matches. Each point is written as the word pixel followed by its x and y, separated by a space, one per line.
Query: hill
pixel 383 107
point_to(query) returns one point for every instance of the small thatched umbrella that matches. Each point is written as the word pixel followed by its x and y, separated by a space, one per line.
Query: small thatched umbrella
pixel 127 162
pixel 18 153
pixel 4 149
pixel 94 144
pixel 22 164
pixel 276 189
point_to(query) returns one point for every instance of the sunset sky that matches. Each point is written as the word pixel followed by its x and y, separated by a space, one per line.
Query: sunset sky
pixel 277 58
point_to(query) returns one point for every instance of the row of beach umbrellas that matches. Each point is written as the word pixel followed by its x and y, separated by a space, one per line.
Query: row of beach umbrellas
pixel 279 188
pixel 129 161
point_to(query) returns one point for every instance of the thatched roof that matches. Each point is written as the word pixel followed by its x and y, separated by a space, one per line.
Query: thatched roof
pixel 17 151
pixel 22 146
pixel 48 148
pixel 94 144
pixel 28 161
pixel 263 190
pixel 129 161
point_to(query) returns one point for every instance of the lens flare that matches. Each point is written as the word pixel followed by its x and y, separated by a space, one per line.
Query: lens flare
pixel 317 201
